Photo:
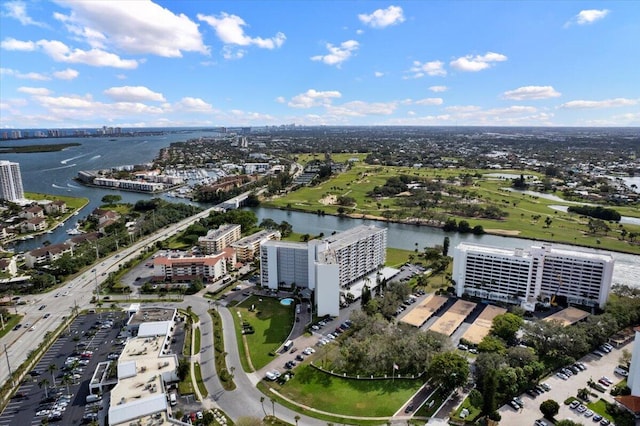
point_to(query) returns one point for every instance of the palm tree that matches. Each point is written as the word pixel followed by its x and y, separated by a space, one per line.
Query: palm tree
pixel 44 383
pixel 297 419
pixel 52 369
pixel 66 380
pixel 273 406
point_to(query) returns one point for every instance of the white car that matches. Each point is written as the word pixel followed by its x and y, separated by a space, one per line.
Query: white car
pixel 272 375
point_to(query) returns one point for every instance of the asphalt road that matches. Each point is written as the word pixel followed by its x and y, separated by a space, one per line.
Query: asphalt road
pixel 78 292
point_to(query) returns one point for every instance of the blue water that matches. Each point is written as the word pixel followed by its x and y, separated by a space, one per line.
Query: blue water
pixel 286 302
pixel 53 173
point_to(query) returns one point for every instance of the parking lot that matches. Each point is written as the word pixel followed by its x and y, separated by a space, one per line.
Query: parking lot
pixel 562 389
pixel 46 394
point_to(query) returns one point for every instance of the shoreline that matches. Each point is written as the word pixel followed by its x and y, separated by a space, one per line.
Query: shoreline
pixel 418 222
pixel 91 185
pixel 57 224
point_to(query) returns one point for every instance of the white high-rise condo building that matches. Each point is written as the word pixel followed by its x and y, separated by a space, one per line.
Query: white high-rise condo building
pixel 325 266
pixel 539 273
pixel 10 181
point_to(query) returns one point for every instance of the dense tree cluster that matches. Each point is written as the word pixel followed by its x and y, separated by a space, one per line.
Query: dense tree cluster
pixel 597 212
pixel 393 186
pixel 376 344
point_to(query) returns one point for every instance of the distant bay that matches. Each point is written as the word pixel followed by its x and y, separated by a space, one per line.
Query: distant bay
pixel 53 173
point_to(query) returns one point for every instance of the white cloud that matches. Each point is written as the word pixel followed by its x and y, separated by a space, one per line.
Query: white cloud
pixel 360 108
pixel 586 17
pixel 68 102
pixel 338 54
pixel 433 68
pixel 476 63
pixel 133 94
pixel 607 103
pixel 281 99
pixel 68 74
pixel 382 18
pixel 429 101
pixel 229 29
pixel 312 98
pixel 18 10
pixel 438 89
pixel 39 91
pixel 60 52
pixel 378 74
pixel 531 92
pixel 230 53
pixel 193 105
pixel 463 108
pixel 13 44
pixel 140 27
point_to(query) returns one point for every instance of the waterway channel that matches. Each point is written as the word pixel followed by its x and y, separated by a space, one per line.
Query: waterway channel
pixel 53 173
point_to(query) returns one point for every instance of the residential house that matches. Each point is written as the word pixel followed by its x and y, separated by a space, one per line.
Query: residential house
pixel 56 207
pixel 31 212
pixel 35 224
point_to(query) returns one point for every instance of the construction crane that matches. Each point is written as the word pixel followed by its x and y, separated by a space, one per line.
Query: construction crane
pixel 553 298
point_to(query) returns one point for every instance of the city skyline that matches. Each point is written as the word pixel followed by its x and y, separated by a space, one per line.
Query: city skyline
pixel 75 64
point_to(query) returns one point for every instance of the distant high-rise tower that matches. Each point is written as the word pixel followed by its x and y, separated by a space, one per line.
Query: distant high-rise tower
pixel 10 181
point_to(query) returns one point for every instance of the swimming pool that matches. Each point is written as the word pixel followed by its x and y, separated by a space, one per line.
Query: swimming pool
pixel 286 302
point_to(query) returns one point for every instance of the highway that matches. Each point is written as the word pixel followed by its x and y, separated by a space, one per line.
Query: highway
pixel 243 401
pixel 60 301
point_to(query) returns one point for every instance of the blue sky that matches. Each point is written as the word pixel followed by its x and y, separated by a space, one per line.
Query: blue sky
pixel 72 63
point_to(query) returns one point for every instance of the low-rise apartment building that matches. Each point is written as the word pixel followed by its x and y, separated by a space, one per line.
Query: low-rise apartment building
pixel 46 254
pixel 246 248
pixel 217 240
pixel 209 268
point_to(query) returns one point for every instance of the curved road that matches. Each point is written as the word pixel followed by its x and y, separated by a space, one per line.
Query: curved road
pixel 245 399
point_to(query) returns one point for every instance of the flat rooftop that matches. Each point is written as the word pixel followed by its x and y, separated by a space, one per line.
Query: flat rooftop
pixel 449 322
pixel 482 325
pixel 568 316
pixel 152 315
pixel 254 238
pixel 424 310
pixel 140 389
pixel 352 235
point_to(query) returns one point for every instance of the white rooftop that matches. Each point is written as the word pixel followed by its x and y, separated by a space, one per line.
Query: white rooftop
pixel 160 328
pixel 127 411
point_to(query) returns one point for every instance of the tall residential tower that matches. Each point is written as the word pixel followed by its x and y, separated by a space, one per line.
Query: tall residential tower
pixel 10 181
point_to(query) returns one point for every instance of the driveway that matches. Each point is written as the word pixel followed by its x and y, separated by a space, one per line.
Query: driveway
pixel 563 389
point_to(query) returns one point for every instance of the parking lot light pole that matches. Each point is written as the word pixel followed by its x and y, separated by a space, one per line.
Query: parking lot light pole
pixel 95 274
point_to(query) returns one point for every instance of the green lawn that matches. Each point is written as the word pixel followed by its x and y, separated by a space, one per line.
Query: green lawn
pixel 9 323
pixel 369 398
pixel 272 323
pixel 196 344
pixel 397 257
pixel 522 209
pixel 71 202
pixel 473 411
